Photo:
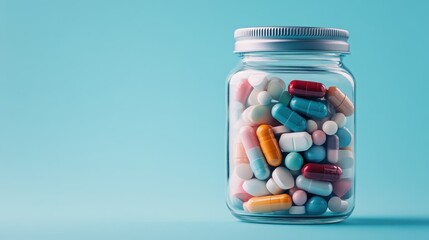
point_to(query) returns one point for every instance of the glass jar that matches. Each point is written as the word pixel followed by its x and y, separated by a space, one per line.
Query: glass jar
pixel 291 126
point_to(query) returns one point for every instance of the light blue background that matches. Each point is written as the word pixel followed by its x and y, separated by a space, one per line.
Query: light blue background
pixel 112 117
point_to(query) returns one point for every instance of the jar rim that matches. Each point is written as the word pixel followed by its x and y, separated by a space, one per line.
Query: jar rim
pixel 291 38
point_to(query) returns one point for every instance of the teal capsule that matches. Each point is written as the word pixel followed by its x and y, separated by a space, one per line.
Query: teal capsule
pixel 315 153
pixel 316 205
pixel 289 118
pixel 345 137
pixel 285 98
pixel 309 108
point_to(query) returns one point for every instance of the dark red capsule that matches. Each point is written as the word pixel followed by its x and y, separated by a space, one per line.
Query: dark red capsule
pixel 307 89
pixel 321 172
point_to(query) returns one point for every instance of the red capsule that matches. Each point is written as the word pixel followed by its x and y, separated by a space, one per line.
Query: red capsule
pixel 307 89
pixel 321 172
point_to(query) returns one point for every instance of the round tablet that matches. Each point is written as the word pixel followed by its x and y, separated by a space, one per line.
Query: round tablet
pixel 297 210
pixel 244 171
pixel 273 187
pixel 255 187
pixel 316 205
pixel 299 197
pixel 283 178
pixel 315 154
pixel 264 98
pixel 319 137
pixel 335 204
pixel 311 126
pixel 294 161
pixel 330 127
pixel 340 119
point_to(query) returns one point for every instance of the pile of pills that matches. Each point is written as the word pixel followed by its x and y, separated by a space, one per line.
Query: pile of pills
pixel 291 150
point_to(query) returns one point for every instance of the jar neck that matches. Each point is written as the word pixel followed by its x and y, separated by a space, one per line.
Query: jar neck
pixel 289 59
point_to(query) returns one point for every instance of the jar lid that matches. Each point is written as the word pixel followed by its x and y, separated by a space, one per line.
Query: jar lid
pixel 288 39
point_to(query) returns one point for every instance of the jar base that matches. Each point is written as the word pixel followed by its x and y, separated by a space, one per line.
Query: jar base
pixel 290 220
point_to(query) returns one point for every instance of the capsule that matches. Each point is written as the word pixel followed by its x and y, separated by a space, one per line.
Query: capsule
pixel 307 89
pixel 269 145
pixel 332 145
pixel 269 203
pixel 309 108
pixel 345 137
pixel 254 154
pixel 243 91
pixel 321 172
pixel 240 154
pixel 289 118
pixel 314 186
pixel 340 101
pixel 285 98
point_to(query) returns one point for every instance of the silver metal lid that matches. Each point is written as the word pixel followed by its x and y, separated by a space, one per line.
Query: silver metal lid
pixel 284 39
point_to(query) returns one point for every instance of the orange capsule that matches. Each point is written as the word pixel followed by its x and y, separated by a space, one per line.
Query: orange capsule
pixel 269 145
pixel 269 203
pixel 340 101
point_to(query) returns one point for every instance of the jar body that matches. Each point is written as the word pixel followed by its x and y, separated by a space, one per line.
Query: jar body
pixel 291 139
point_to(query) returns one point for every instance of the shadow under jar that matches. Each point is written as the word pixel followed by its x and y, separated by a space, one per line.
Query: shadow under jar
pixel 291 126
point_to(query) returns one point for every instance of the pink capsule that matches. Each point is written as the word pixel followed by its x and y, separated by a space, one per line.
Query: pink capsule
pixel 243 91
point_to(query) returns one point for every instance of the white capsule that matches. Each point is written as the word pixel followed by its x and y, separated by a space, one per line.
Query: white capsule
pixel 283 178
pixel 255 187
pixel 340 119
pixel 275 87
pixel 345 159
pixel 257 114
pixel 244 171
pixel 330 127
pixel 335 204
pixel 258 81
pixel 314 186
pixel 297 210
pixel 311 126
pixel 273 187
pixel 264 98
pixel 295 142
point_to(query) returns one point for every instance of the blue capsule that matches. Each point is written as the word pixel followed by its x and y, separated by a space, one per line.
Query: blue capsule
pixel 315 153
pixel 258 164
pixel 309 108
pixel 289 118
pixel 345 137
pixel 316 205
